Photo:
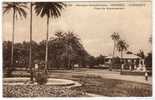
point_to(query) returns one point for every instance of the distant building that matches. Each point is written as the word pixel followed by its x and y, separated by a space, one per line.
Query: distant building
pixel 127 59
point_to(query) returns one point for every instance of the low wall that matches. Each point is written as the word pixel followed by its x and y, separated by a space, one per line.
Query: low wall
pixel 135 73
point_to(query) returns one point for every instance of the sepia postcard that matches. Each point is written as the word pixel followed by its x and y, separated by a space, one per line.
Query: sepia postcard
pixel 77 48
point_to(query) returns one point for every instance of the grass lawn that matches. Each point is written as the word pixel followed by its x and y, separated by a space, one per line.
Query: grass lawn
pixel 90 84
pixel 111 87
pixel 106 87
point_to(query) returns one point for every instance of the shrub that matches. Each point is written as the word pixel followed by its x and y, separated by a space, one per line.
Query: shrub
pixel 41 77
pixel 8 72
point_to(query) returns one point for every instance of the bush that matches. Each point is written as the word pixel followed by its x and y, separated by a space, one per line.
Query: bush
pixel 41 77
pixel 8 72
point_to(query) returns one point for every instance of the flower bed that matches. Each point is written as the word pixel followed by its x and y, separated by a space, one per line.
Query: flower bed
pixel 39 91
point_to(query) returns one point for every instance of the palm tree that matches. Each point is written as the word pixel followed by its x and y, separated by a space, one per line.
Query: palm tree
pixel 150 39
pixel 48 9
pixel 18 9
pixel 30 51
pixel 122 46
pixel 141 54
pixel 70 40
pixel 115 37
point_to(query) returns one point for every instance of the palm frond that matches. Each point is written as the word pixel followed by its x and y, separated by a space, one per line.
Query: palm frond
pixel 7 7
pixel 19 8
pixel 49 9
pixel 122 45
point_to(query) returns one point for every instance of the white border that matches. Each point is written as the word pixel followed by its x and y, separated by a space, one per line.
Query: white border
pixel 82 98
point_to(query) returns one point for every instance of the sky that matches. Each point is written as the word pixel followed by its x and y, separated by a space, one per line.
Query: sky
pixel 93 26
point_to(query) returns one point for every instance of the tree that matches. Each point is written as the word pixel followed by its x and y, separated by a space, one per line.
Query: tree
pixel 65 50
pixel 100 59
pixel 115 37
pixel 148 58
pixel 122 46
pixel 18 9
pixel 69 41
pixel 30 49
pixel 6 54
pixel 148 61
pixel 150 39
pixel 141 54
pixel 48 9
pixel 129 52
pixel 21 54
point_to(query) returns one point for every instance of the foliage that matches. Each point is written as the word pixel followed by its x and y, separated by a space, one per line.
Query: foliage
pixel 7 53
pixel 100 59
pixel 115 36
pixel 49 9
pixel 141 54
pixel 116 61
pixel 148 59
pixel 66 47
pixel 150 39
pixel 40 91
pixel 41 74
pixel 129 52
pixel 122 46
pixel 17 7
pixel 41 77
pixel 65 50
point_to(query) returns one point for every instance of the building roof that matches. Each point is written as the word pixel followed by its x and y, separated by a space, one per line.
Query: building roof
pixel 131 56
pixel 126 56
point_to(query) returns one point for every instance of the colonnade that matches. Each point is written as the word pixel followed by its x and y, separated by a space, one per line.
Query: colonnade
pixel 133 65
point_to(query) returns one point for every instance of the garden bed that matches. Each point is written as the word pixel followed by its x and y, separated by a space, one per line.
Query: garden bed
pixel 25 81
pixel 39 91
pixel 89 84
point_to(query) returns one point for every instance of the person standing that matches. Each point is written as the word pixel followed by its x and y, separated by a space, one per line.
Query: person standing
pixel 146 75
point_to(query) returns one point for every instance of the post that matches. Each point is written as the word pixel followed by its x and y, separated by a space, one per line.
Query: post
pixel 30 54
pixel 146 76
pixel 135 67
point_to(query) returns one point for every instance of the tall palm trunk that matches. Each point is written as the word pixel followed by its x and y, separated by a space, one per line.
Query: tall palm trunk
pixel 30 53
pixel 69 62
pixel 46 55
pixel 13 32
pixel 122 55
pixel 113 55
pixel 66 57
pixel 114 49
pixel 121 60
